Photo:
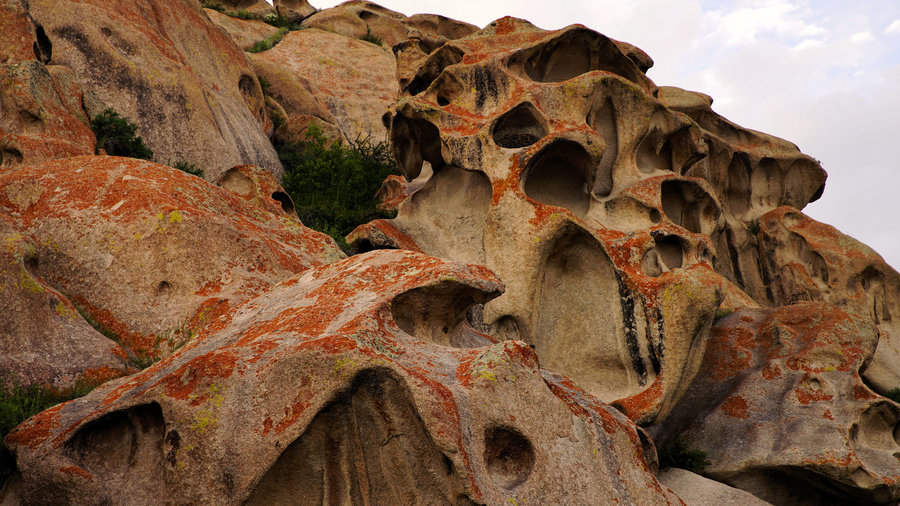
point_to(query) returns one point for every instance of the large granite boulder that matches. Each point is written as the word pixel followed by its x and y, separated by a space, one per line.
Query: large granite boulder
pixel 341 81
pixel 804 260
pixel 782 411
pixel 356 382
pixel 151 253
pixel 166 67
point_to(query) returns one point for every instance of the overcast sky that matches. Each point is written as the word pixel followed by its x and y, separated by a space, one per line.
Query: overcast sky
pixel 823 74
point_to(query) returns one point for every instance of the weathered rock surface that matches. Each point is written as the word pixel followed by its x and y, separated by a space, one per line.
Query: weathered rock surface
pixel 295 10
pixel 259 187
pixel 695 490
pixel 782 411
pixel 43 339
pixel 358 18
pixel 589 223
pixel 260 7
pixel 151 253
pixel 345 82
pixel 42 116
pixel 805 260
pixel 356 382
pixel 166 67
pixel 752 173
pixel 244 32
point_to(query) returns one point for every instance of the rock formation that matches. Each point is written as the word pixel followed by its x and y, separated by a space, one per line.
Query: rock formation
pixel 163 63
pixel 388 403
pixel 152 253
pixel 583 264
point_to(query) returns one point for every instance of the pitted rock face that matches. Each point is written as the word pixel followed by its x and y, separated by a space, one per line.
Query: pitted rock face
pixel 555 165
pixel 335 388
pixel 808 260
pixel 151 253
pixel 43 339
pixel 42 116
pixel 782 411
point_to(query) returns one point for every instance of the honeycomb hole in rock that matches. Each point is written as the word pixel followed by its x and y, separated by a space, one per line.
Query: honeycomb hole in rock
pixel 506 328
pixel 766 185
pixel 447 205
pixel 43 48
pixel 414 141
pixel 649 449
pixel 670 251
pixel 878 427
pixel 602 119
pixel 248 86
pixel 737 194
pixel 366 15
pixel 558 176
pixel 163 288
pixel 519 127
pixel 508 455
pixel 579 316
pixel 571 54
pixel 872 282
pixel 654 152
pixel 446 88
pixel 237 182
pixel 433 67
pixel 366 446
pixel 285 201
pixel 688 205
pixel 438 313
pixel 10 157
pixel 124 449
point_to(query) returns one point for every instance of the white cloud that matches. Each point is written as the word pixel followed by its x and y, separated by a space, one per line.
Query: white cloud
pixel 893 28
pixel 861 37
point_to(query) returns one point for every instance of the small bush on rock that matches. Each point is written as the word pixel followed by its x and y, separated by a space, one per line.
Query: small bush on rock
pixel 190 168
pixel 116 135
pixel 677 453
pixel 269 42
pixel 333 187
pixel 371 37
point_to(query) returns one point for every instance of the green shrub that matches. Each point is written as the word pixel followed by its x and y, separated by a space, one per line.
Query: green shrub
pixel 116 135
pixel 213 4
pixel 677 453
pixel 269 42
pixel 277 118
pixel 265 85
pixel 371 37
pixel 893 394
pixel 18 403
pixel 334 187
pixel 190 168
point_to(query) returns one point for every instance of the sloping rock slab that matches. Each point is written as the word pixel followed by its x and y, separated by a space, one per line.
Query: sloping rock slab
pixel 166 67
pixel 43 340
pixel 151 252
pixel 337 387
